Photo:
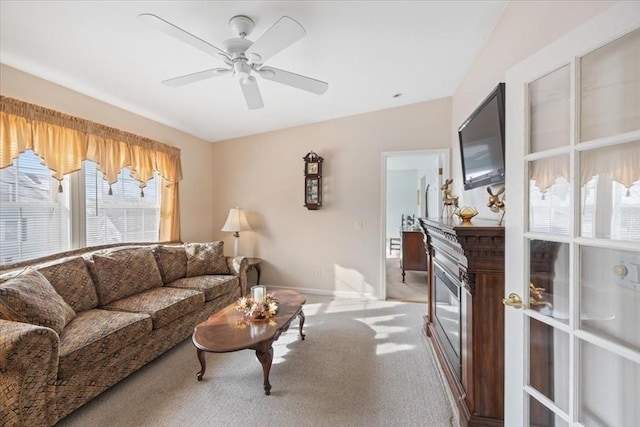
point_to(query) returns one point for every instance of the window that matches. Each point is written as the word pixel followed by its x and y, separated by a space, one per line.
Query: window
pixel 123 216
pixel 36 220
pixel 33 215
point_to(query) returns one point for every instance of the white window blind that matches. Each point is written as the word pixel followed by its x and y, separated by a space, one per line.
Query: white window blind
pixel 34 217
pixel 618 220
pixel 36 220
pixel 123 216
pixel 549 210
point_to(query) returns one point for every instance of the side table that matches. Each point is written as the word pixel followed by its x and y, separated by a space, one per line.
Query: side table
pixel 254 264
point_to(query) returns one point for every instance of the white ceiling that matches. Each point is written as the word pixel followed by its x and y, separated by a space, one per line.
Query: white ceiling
pixel 367 52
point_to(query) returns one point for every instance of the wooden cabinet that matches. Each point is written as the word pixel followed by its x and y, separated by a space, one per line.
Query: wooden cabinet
pixel 414 256
pixel 465 319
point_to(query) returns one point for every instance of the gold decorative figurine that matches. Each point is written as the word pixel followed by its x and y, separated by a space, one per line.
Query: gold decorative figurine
pixel 449 201
pixel 497 203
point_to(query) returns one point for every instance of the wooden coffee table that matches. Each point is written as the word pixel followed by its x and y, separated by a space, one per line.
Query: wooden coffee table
pixel 228 330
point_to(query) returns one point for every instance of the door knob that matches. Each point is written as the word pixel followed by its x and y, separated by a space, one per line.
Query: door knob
pixel 513 300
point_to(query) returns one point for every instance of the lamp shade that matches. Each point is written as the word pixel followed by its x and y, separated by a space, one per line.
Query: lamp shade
pixel 236 221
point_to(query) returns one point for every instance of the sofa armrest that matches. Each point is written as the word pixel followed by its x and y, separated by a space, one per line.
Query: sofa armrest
pixel 238 266
pixel 28 367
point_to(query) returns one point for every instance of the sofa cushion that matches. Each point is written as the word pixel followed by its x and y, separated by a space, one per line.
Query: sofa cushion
pixel 212 286
pixel 206 258
pixel 72 281
pixel 30 298
pixel 125 272
pixel 164 305
pixel 172 261
pixel 95 334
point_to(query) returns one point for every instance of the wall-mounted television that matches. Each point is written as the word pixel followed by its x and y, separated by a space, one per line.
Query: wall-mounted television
pixel 482 142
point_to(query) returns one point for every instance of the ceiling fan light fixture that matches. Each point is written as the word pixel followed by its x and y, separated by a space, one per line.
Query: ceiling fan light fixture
pixel 241 68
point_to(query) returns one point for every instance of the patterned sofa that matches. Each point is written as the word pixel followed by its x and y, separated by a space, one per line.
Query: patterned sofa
pixel 73 325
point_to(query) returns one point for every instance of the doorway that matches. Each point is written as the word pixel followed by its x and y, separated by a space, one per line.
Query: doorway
pixel 411 183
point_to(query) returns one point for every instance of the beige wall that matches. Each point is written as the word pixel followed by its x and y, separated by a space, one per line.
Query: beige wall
pixel 322 250
pixel 196 190
pixel 524 28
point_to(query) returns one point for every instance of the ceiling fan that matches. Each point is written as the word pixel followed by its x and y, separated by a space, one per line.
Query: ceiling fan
pixel 244 57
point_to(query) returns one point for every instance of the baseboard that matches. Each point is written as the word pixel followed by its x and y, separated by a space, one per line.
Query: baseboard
pixel 326 292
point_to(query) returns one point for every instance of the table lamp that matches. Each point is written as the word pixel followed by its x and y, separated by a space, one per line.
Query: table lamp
pixel 236 222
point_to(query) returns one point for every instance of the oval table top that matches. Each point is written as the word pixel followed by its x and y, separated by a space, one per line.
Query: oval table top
pixel 229 330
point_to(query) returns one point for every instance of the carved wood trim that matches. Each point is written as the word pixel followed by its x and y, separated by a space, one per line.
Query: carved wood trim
pixel 468 280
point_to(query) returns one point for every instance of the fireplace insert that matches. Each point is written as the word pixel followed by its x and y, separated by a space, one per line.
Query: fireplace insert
pixel 447 314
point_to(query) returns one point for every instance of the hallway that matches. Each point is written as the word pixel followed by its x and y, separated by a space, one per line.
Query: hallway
pixel 415 287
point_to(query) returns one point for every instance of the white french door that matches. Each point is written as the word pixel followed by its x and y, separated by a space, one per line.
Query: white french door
pixel 572 265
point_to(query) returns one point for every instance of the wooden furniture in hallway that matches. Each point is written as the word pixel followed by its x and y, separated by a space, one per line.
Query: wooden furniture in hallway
pixel 414 256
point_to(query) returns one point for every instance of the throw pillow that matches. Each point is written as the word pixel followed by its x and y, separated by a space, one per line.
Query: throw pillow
pixel 71 279
pixel 206 258
pixel 30 298
pixel 125 272
pixel 172 261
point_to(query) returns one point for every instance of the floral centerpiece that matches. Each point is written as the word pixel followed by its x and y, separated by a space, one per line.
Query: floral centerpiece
pixel 258 310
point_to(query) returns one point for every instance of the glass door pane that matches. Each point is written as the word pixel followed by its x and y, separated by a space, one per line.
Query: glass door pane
pixel 549 279
pixel 609 388
pixel 610 88
pixel 549 104
pixel 549 195
pixel 610 194
pixel 541 416
pixel 610 294
pixel 549 363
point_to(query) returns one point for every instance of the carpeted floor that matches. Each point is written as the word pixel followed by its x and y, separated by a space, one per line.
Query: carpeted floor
pixel 414 288
pixel 363 363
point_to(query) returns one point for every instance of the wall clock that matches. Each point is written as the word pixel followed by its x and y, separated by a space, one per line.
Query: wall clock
pixel 312 181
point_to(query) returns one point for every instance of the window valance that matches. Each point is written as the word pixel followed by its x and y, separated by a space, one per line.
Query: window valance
pixel 620 164
pixel 63 142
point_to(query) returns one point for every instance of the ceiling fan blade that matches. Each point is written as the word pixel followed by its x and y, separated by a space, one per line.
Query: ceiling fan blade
pixel 180 34
pixel 282 34
pixel 251 92
pixel 295 80
pixel 196 77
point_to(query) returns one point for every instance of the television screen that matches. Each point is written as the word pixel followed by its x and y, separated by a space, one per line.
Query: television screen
pixel 482 142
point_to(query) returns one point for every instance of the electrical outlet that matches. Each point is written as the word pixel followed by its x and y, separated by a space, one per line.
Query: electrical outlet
pixel 358 224
pixel 318 272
